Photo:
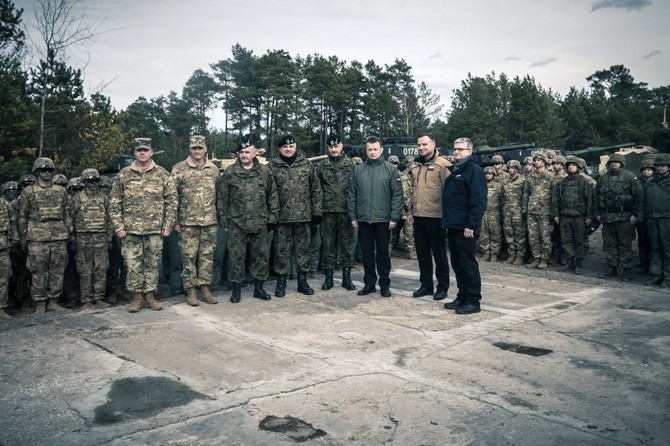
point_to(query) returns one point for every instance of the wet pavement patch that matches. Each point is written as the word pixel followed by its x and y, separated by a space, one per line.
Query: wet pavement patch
pixel 633 307
pixel 296 429
pixel 523 349
pixel 131 398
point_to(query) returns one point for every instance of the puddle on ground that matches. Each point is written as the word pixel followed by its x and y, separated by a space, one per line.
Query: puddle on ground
pixel 296 429
pixel 523 349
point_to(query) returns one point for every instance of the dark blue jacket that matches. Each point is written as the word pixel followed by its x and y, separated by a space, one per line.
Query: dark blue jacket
pixel 464 197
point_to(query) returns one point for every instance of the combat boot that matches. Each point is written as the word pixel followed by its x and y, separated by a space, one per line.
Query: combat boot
pixel 259 291
pixel 111 299
pixel 100 302
pixel 518 261
pixel 136 303
pixel 494 258
pixel 303 286
pixel 52 305
pixel 191 297
pixel 280 289
pixel 578 266
pixel 40 306
pixel 328 282
pixel 542 264
pixel 207 296
pixel 487 257
pixel 237 292
pixel 511 259
pixel 569 265
pixel 346 279
pixel 533 264
pixel 411 253
pixel 151 301
pixel 610 272
pixel 626 276
pixel 3 313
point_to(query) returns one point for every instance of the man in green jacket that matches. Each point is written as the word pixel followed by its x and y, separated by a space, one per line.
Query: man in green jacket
pixel 375 203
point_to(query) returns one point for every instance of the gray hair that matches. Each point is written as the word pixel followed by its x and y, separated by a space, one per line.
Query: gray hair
pixel 465 141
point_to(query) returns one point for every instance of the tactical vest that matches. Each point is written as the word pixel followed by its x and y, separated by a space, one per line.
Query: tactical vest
pixel 92 214
pixel 48 204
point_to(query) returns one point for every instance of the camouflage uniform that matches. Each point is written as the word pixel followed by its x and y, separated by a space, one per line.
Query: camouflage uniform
pixel 8 237
pixel 616 195
pixel 536 203
pixel 491 235
pixel 44 224
pixel 19 253
pixel 513 219
pixel 197 220
pixel 501 176
pixel 89 211
pixel 408 230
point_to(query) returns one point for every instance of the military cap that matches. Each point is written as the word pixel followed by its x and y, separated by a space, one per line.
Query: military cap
pixel 197 141
pixel 142 143
pixel 618 158
pixel 571 159
pixel 10 185
pixel 662 159
pixel 528 160
pixel 60 179
pixel 105 181
pixel 490 169
pixel 90 174
pixel 333 139
pixel 43 163
pixel 285 140
pixel 559 159
pixel 26 180
pixel 497 159
pixel 245 141
pixel 541 155
pixel 513 163
pixel 393 159
pixel 357 160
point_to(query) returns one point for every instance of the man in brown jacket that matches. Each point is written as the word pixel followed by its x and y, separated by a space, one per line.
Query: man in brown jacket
pixel 428 174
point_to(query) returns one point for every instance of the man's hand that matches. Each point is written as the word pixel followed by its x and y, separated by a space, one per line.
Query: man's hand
pixel 410 219
pixel 392 225
pixel 468 233
pixel 557 220
pixel 354 223
pixel 177 227
pixel 633 221
pixel 166 233
pixel 121 233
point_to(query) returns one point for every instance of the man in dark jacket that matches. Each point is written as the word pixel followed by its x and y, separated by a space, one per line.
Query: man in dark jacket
pixel 463 205
pixel 375 202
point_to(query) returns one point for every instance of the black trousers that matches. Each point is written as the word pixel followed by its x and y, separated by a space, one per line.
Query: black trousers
pixel 375 237
pixel 462 251
pixel 429 239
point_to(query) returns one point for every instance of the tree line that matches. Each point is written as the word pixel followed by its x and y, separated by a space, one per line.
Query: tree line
pixel 43 108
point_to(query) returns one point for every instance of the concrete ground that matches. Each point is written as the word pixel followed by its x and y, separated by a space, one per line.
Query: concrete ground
pixel 553 359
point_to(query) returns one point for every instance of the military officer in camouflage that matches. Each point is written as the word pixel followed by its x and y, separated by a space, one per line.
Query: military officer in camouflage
pixel 143 205
pixel 491 235
pixel 407 192
pixel 44 227
pixel 336 232
pixel 536 203
pixel 617 192
pixel 513 224
pixel 300 206
pixel 248 207
pixel 197 225
pixel 92 227
pixel 19 254
pixel 9 236
pixel 498 162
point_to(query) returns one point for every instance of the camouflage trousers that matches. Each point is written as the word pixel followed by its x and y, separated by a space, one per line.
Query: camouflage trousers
pixel 46 262
pixel 294 237
pixel 21 277
pixel 143 255
pixel 490 238
pixel 618 244
pixel 515 233
pixel 539 235
pixel 117 271
pixel 5 274
pixel 197 245
pixel 407 230
pixel 92 263
pixel 572 237
pixel 239 244
pixel 659 237
pixel 336 235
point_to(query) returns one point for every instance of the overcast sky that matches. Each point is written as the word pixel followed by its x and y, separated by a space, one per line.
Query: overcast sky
pixel 155 46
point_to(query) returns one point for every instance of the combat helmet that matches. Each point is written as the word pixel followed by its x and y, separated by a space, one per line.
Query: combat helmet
pixel 543 156
pixel 616 157
pixel 43 163
pixel 60 180
pixel 528 160
pixel 647 163
pixel 581 162
pixel 90 174
pixel 10 185
pixel 560 159
pixel 514 163
pixel 27 180
pixel 662 159
pixel 495 159
pixel 75 184
pixel 409 160
pixel 571 159
pixel 105 181
pixel 393 159
pixel 490 169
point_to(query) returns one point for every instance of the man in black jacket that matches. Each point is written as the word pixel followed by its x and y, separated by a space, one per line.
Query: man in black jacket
pixel 463 205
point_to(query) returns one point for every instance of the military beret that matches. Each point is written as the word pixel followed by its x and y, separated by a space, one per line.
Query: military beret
pixel 286 140
pixel 333 139
pixel 142 143
pixel 197 141
pixel 245 141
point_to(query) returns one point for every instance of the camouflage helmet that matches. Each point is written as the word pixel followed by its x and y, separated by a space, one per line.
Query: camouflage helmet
pixel 90 174
pixel 60 180
pixel 528 160
pixel 393 159
pixel 616 158
pixel 514 163
pixel 357 160
pixel 559 159
pixel 490 169
pixel 541 155
pixel 571 159
pixel 75 183
pixel 551 154
pixel 495 159
pixel 662 159
pixel 105 181
pixel 647 163
pixel 10 185
pixel 581 162
pixel 409 159
pixel 43 163
pixel 27 180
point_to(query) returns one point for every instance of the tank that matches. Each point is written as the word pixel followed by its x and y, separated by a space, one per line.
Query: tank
pixel 596 157
pixel 515 151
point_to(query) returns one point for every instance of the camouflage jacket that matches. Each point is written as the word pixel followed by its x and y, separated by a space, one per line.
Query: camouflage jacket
pixel 43 215
pixel 655 198
pixel 143 202
pixel 513 194
pixel 196 188
pixel 247 198
pixel 89 211
pixel 334 174
pixel 617 194
pixel 573 197
pixel 494 200
pixel 537 190
pixel 9 234
pixel 407 191
pixel 299 189
pixel 501 176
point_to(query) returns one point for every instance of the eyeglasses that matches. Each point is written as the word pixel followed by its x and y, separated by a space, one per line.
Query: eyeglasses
pixel 92 180
pixel 46 169
pixel 460 149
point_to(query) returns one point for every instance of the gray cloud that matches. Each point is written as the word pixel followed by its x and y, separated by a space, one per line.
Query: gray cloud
pixel 543 62
pixel 652 54
pixel 511 59
pixel 435 56
pixel 628 5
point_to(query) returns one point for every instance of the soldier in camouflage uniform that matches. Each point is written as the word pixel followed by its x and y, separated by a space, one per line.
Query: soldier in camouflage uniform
pixel 10 191
pixel 536 203
pixel 195 179
pixel 300 206
pixel 528 165
pixel 557 252
pixel 572 209
pixel 9 236
pixel 336 231
pixel 143 210
pixel 407 192
pixel 21 276
pixel 491 235
pixel 395 234
pixel 616 195
pixel 116 273
pixel 71 285
pixel 248 206
pixel 497 161
pixel 60 180
pixel 647 170
pixel 89 211
pixel 513 223
pixel 44 228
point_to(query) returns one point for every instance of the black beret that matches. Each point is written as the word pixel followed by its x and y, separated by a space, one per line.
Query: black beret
pixel 286 139
pixel 245 141
pixel 333 139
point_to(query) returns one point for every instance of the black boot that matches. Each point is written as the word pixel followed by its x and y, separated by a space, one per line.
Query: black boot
pixel 328 283
pixel 280 289
pixel 578 266
pixel 259 292
pixel 237 293
pixel 569 265
pixel 346 279
pixel 626 276
pixel 611 272
pixel 303 286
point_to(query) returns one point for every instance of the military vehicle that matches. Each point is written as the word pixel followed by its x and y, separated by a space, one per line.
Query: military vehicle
pixel 596 157
pixel 514 151
pixel 400 147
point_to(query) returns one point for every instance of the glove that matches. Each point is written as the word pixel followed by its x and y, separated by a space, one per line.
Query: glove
pixel 316 219
pixel 271 226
